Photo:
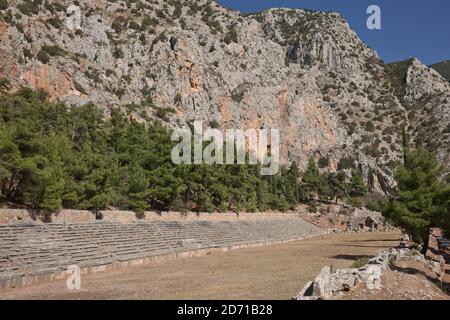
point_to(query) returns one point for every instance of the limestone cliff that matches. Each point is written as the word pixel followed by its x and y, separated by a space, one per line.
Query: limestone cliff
pixel 304 72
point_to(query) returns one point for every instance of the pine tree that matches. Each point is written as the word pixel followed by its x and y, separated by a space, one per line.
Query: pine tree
pixel 292 181
pixel 312 179
pixel 261 196
pixel 357 187
pixel 52 156
pixel 10 158
pixel 137 192
pixel 337 185
pixel 325 192
pixel 442 201
pixel 421 196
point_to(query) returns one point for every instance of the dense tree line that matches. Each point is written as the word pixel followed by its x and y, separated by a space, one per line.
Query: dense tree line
pixel 52 156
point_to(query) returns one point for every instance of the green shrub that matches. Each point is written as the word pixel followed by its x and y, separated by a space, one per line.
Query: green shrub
pixel 214 25
pixel 312 208
pixel 178 11
pixel 4 84
pixel 27 53
pixel 29 7
pixel 134 26
pixel 163 113
pixel 372 151
pixel 238 95
pixel 93 74
pixel 160 14
pixel 119 92
pixel 370 126
pixel 54 22
pixel 360 262
pixel 127 78
pixel 355 202
pixel 119 24
pixel 324 162
pixel 54 50
pixel 231 35
pixel 118 53
pixel 148 22
pixel 178 98
pixel 346 163
pixel 3 4
pixel 47 51
pixel 43 57
pixel 376 204
pixel 214 124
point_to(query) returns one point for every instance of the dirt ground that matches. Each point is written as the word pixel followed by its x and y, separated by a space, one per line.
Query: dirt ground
pixel 273 272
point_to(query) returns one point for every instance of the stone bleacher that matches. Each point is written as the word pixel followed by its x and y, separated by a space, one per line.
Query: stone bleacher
pixel 35 252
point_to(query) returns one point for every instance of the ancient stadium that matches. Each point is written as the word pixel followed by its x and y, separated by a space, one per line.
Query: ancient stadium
pixel 177 256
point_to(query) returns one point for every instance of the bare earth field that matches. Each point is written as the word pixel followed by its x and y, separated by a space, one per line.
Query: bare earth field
pixel 273 272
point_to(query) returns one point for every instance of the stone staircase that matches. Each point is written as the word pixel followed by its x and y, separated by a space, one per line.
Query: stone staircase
pixel 32 251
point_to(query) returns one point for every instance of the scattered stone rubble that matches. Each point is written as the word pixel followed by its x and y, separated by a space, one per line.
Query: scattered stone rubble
pixel 328 285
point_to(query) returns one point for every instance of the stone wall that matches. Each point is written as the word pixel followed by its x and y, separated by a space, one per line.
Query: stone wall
pixel 226 216
pixel 8 216
pixel 72 216
pixel 11 216
pixel 118 216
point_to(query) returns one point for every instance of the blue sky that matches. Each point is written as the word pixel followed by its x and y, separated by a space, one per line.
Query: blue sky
pixel 410 28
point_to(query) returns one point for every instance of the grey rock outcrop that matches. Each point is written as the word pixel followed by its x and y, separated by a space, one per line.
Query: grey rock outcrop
pixel 73 17
pixel 427 99
pixel 320 288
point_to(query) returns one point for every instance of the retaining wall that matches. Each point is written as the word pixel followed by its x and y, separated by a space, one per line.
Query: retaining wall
pixel 8 216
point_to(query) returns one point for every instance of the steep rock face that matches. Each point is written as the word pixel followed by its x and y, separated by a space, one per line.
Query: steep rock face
pixel 306 73
pixel 427 98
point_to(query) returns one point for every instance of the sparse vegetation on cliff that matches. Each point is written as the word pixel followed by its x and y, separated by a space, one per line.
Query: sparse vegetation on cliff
pixel 397 72
pixel 443 68
pixel 3 4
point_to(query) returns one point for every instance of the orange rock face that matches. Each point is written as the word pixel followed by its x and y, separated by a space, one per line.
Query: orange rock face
pixel 320 119
pixel 49 79
pixel 224 107
pixel 2 29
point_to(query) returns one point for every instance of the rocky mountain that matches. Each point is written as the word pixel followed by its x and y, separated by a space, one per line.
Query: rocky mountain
pixel 304 72
pixel 443 68
pixel 425 95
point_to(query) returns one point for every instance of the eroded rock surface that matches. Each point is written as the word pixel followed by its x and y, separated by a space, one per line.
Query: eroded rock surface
pixel 306 73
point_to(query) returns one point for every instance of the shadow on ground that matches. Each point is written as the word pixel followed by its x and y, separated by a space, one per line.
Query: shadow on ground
pixel 414 271
pixel 348 257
